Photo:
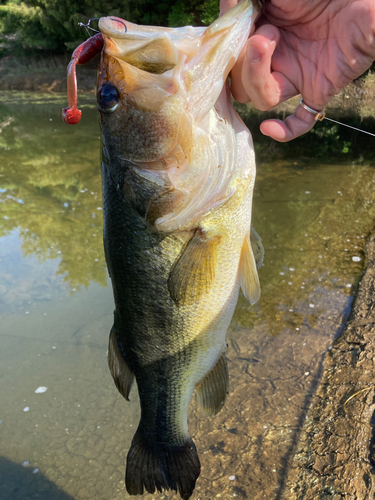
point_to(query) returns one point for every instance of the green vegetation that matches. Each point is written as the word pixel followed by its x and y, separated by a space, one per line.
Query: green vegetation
pixel 49 27
pixel 327 141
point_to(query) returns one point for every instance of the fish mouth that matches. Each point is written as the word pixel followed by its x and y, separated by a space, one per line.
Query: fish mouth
pixel 156 49
pixel 147 48
pixel 169 81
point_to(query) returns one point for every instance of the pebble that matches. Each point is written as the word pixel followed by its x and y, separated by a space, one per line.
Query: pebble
pixel 40 390
pixel 26 463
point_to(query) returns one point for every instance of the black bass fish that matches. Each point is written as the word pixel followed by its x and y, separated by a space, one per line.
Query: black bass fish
pixel 178 170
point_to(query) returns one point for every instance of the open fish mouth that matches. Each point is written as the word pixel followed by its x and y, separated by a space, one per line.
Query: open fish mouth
pixel 174 77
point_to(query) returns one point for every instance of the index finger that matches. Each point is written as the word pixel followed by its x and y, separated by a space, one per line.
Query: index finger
pixel 295 125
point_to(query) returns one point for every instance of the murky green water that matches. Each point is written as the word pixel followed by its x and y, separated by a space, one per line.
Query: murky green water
pixel 71 441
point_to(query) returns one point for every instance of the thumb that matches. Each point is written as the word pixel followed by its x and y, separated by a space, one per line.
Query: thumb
pixel 225 5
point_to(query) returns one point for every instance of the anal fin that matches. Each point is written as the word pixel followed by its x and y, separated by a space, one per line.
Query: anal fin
pixel 121 373
pixel 193 272
pixel 249 279
pixel 212 392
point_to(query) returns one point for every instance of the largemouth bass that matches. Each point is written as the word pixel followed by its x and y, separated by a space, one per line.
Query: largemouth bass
pixel 178 171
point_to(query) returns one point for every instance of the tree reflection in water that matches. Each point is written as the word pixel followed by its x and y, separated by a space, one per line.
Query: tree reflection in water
pixel 51 187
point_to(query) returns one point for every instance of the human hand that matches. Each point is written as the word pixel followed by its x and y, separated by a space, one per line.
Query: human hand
pixel 309 47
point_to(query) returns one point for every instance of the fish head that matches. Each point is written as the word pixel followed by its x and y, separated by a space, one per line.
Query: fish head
pixel 155 83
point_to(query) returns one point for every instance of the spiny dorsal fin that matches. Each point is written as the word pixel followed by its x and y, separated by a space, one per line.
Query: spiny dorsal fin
pixel 249 279
pixel 120 371
pixel 257 247
pixel 193 273
pixel 212 392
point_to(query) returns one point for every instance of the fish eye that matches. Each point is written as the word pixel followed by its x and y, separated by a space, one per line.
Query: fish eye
pixel 108 98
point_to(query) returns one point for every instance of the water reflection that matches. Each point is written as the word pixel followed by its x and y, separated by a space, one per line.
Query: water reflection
pixel 51 187
pixel 50 191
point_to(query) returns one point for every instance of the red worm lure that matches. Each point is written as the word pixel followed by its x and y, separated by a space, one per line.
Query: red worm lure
pixel 83 54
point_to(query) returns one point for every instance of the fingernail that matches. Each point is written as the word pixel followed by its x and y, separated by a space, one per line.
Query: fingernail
pixel 269 33
pixel 253 54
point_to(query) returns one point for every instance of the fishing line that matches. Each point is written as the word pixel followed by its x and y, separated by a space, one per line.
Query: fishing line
pixel 335 121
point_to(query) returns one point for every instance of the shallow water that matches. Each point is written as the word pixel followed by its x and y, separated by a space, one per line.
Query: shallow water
pixel 70 441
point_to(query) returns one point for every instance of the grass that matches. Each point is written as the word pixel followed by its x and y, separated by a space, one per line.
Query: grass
pixel 15 66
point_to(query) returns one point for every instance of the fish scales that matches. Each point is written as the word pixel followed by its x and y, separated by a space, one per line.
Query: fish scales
pixel 178 170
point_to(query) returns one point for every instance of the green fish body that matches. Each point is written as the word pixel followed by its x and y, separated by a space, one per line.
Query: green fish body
pixel 178 172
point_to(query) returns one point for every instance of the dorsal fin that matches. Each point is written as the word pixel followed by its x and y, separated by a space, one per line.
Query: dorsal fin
pixel 257 247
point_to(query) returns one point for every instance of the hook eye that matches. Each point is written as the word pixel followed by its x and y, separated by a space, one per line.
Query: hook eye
pixel 108 98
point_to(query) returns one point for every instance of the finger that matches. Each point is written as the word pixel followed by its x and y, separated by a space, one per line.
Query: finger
pixel 295 125
pixel 252 76
pixel 225 5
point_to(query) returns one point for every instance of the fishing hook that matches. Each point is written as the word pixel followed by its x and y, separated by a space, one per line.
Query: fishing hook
pixel 88 27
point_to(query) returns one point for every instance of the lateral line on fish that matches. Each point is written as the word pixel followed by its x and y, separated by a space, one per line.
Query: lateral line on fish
pixel 335 121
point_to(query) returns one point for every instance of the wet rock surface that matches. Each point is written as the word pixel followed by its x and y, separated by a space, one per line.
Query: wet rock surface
pixel 335 454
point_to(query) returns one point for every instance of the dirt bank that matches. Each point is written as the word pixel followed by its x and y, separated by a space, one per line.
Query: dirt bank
pixel 44 76
pixel 334 457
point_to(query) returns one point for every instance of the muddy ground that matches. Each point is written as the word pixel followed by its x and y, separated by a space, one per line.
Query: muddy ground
pixel 335 455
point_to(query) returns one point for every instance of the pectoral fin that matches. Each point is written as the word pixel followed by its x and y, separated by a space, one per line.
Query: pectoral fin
pixel 249 279
pixel 212 392
pixel 120 371
pixel 257 247
pixel 193 273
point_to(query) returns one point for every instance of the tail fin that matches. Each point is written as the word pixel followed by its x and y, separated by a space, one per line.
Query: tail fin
pixel 162 468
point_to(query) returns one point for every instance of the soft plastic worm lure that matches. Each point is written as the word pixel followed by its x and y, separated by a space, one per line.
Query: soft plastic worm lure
pixel 83 54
